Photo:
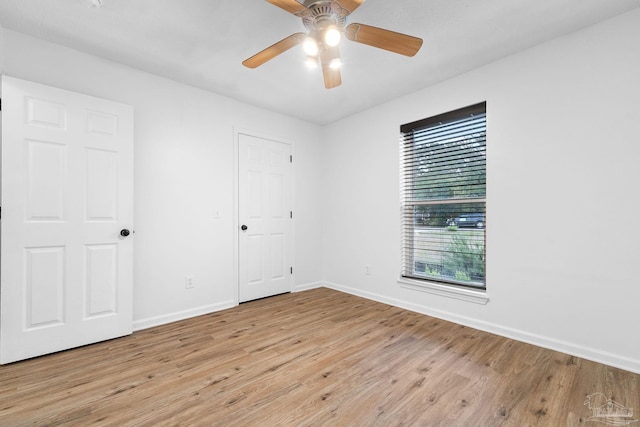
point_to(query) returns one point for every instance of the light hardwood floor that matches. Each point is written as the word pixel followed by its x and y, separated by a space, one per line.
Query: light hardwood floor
pixel 314 358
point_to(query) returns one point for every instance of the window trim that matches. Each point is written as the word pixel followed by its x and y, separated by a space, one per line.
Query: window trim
pixel 446 289
pixel 433 285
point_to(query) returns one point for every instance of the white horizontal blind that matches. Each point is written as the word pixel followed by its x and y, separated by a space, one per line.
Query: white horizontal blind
pixel 443 197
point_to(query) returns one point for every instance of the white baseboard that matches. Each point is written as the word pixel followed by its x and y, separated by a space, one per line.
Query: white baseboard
pixel 150 322
pixel 577 350
pixel 307 286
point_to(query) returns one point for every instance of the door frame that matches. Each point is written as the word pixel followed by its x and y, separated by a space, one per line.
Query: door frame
pixel 236 204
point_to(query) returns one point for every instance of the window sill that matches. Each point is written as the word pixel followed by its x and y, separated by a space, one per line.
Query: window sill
pixel 449 291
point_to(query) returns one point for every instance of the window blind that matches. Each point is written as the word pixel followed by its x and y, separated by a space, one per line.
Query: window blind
pixel 443 197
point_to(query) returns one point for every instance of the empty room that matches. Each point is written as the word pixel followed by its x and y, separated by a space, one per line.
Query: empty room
pixel 319 212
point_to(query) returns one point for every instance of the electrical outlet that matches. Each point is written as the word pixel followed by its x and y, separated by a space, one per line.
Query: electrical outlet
pixel 367 270
pixel 188 281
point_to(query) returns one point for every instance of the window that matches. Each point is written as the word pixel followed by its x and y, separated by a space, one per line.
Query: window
pixel 443 197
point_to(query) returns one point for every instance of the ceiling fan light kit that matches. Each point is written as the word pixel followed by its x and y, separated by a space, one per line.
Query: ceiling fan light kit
pixel 311 62
pixel 325 21
pixel 332 36
pixel 310 46
pixel 335 63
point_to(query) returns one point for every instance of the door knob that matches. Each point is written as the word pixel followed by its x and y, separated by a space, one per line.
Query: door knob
pixel 124 232
pixel 244 227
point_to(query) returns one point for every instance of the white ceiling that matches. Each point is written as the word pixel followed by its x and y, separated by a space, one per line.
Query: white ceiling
pixel 203 42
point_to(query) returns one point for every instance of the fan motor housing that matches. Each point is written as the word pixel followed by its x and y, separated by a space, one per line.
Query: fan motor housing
pixel 322 13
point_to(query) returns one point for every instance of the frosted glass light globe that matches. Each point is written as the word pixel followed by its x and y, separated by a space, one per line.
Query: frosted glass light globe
pixel 332 36
pixel 310 46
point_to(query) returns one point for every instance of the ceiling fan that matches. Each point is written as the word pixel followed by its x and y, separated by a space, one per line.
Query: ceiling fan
pixel 326 22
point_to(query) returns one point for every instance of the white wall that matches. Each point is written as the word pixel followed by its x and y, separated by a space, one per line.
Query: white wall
pixel 562 179
pixel 184 166
pixel 563 176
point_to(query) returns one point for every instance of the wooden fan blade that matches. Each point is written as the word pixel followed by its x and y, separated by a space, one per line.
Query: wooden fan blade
pixel 332 77
pixel 384 39
pixel 291 6
pixel 350 5
pixel 274 50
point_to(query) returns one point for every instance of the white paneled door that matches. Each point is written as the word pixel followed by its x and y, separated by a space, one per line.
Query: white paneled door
pixel 67 214
pixel 265 241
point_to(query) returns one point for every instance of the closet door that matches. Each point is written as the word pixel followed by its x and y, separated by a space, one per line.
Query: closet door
pixel 264 200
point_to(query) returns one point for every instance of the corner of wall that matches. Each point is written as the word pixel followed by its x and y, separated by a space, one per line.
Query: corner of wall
pixel 2 49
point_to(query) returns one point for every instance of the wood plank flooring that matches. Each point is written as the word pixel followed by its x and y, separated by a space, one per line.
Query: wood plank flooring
pixel 316 358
